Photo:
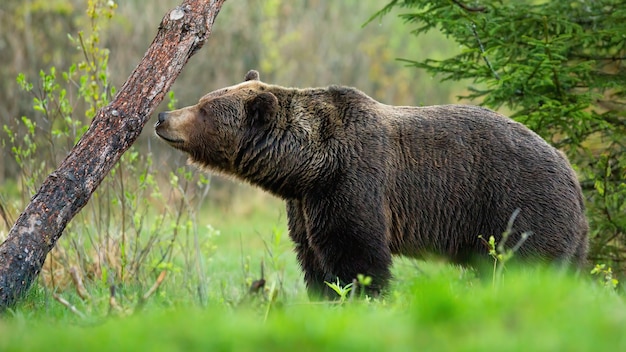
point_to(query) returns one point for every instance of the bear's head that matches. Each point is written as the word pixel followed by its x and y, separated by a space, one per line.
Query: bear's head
pixel 213 131
pixel 288 141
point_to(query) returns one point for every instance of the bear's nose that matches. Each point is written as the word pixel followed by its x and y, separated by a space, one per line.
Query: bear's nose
pixel 162 117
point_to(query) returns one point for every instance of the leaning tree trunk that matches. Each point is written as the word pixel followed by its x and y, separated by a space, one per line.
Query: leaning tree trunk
pixel 113 130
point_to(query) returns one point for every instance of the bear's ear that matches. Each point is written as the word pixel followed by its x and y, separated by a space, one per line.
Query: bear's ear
pixel 263 108
pixel 252 75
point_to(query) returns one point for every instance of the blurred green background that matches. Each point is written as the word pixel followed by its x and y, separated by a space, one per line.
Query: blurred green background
pixel 201 241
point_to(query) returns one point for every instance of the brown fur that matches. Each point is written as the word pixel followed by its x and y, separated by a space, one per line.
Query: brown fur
pixel 363 180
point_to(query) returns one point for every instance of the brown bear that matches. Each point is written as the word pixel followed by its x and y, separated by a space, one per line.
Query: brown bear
pixel 364 181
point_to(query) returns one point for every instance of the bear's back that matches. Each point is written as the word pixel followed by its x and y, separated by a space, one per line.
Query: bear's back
pixel 461 171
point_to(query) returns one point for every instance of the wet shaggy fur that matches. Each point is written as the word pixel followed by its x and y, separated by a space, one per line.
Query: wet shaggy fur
pixel 364 181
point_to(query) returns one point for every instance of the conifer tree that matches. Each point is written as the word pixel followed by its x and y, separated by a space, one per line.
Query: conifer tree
pixel 556 66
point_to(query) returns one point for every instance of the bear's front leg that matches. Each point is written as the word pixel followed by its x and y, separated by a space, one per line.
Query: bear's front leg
pixel 349 238
pixel 314 275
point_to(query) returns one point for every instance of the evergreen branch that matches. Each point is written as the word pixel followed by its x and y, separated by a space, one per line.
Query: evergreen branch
pixel 469 8
pixel 484 54
pixel 555 74
pixel 593 57
pixel 385 10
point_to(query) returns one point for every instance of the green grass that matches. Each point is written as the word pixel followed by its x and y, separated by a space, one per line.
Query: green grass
pixel 439 308
pixel 430 306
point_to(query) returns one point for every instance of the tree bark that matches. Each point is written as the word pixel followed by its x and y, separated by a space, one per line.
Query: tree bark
pixel 113 130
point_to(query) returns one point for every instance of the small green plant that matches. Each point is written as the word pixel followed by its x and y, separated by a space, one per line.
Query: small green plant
pixel 363 280
pixel 341 291
pixel 348 291
pixel 605 275
pixel 266 290
pixel 498 252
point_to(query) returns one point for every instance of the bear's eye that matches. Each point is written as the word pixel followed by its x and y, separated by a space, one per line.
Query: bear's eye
pixel 205 111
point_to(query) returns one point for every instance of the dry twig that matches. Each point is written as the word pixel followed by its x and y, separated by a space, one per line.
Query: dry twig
pixel 78 282
pixel 113 306
pixel 67 304
pixel 155 286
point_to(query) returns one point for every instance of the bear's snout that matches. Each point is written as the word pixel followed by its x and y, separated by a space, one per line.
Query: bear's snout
pixel 168 128
pixel 162 117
